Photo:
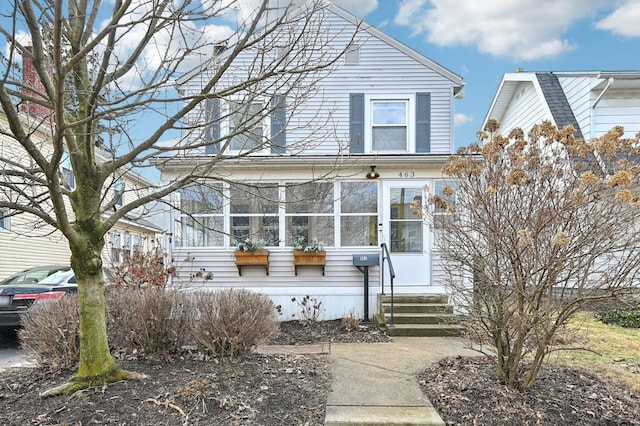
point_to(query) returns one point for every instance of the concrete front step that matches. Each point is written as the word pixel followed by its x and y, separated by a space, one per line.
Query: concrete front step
pixel 377 415
pixel 422 308
pixel 425 330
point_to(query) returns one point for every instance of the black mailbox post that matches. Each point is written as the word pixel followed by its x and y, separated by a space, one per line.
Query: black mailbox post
pixel 362 262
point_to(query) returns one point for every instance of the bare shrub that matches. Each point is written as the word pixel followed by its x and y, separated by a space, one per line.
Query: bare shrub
pixel 351 321
pixel 310 309
pixel 142 269
pixel 232 322
pixel 49 332
pixel 151 320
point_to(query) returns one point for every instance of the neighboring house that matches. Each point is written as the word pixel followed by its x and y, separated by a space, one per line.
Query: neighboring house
pixel 389 107
pixel 591 101
pixel 25 240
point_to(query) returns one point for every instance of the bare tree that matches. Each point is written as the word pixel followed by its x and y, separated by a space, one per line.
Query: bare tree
pixel 533 229
pixel 104 97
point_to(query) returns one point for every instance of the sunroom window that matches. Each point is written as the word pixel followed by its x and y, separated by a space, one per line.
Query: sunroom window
pixel 254 213
pixel 201 222
pixel 358 214
pixel 310 212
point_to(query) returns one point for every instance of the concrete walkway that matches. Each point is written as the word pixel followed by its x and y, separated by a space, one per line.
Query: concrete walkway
pixel 375 383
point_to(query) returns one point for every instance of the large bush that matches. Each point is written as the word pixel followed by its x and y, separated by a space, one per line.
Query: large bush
pixel 50 332
pixel 151 321
pixel 232 322
pixel 147 320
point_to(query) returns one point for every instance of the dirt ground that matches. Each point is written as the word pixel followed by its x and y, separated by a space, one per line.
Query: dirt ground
pixel 292 389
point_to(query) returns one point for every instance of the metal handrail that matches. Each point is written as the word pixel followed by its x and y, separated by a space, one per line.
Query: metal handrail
pixel 392 274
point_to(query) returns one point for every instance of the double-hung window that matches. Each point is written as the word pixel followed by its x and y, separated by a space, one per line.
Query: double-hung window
pixel 389 125
pixel 201 219
pixel 4 219
pixel 246 126
pixel 67 171
pixel 254 213
pixel 310 212
pixel 116 247
pixel 358 214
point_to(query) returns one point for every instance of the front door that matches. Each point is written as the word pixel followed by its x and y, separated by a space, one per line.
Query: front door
pixel 406 234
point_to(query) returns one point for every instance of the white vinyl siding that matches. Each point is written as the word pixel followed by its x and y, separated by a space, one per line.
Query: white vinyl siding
pixel 323 117
pixel 525 110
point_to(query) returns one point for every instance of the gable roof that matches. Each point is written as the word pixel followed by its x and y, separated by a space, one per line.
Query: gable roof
pixel 457 81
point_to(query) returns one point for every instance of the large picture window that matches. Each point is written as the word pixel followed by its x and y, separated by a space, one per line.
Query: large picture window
pixel 358 214
pixel 310 212
pixel 254 213
pixel 201 222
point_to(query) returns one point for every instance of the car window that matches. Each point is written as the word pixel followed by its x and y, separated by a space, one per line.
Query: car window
pixel 58 277
pixel 30 276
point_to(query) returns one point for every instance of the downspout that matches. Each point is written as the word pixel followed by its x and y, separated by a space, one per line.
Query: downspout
pixel 595 103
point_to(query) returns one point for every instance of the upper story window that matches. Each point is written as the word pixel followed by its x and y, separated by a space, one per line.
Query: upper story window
pixel 67 171
pixel 119 192
pixel 389 121
pixel 5 222
pixel 389 124
pixel 246 126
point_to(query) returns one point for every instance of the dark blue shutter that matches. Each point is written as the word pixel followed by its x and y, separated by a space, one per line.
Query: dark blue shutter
pixel 212 132
pixel 278 125
pixel 423 122
pixel 356 123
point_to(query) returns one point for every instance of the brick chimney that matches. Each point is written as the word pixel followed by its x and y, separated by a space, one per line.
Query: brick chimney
pixel 35 89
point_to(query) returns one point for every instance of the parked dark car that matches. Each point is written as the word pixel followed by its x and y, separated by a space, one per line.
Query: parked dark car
pixel 18 292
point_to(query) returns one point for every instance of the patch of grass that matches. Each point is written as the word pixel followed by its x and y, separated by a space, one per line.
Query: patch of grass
pixel 611 350
pixel 626 317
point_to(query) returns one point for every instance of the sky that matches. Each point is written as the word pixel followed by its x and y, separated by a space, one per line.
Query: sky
pixel 480 40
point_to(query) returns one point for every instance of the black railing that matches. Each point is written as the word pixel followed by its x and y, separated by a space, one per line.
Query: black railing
pixel 392 274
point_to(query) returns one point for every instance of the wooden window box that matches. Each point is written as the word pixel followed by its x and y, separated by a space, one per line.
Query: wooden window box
pixel 304 258
pixel 249 258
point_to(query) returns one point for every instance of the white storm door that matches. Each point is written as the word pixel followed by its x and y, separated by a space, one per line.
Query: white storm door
pixel 406 234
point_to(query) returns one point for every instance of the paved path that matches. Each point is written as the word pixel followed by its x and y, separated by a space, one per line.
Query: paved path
pixel 375 383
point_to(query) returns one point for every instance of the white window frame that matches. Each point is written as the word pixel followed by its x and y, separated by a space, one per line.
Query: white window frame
pixel 410 101
pixel 67 171
pixel 225 127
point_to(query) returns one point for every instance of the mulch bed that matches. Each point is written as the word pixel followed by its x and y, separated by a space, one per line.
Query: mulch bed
pixel 465 391
pixel 290 389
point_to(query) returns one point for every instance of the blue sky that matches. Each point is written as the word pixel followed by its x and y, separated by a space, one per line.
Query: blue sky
pixel 480 40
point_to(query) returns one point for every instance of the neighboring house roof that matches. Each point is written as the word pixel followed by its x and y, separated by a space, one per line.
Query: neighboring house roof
pixel 363 26
pixel 551 93
pixel 557 101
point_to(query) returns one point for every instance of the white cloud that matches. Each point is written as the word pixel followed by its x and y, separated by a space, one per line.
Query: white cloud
pixel 461 119
pixel 517 29
pixel 360 8
pixel 624 20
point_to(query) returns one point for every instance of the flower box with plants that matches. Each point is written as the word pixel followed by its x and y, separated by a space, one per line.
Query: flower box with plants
pixel 308 254
pixel 251 253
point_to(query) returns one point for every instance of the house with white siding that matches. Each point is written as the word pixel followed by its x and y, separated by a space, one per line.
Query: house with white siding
pixel 387 129
pixel 592 101
pixel 25 240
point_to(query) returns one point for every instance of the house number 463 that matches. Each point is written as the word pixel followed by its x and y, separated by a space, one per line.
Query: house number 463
pixel 407 174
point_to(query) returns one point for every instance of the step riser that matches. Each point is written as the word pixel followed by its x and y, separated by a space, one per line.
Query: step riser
pixel 419 319
pixel 417 309
pixel 418 298
pixel 423 332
